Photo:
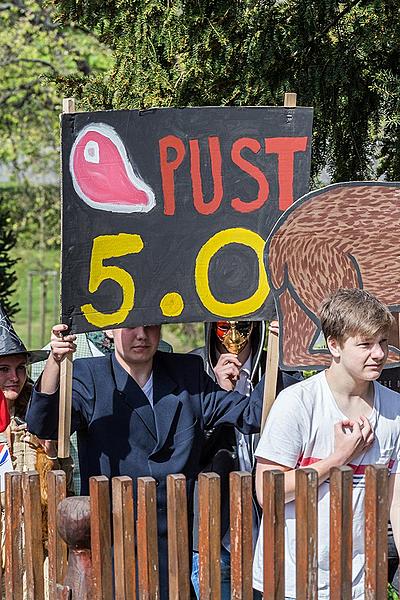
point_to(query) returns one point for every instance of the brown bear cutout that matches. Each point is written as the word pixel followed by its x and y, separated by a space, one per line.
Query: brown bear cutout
pixel 346 236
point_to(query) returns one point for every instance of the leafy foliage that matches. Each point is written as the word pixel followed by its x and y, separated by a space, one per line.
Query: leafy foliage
pixel 392 593
pixel 33 51
pixel 341 58
pixel 33 214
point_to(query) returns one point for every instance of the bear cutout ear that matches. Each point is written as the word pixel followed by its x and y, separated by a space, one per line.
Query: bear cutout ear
pixel 318 343
pixel 102 174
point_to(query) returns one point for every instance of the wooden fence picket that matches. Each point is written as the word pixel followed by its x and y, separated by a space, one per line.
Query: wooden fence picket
pixel 178 539
pixel 57 548
pixel 14 570
pixel 273 533
pixel 341 533
pixel 376 539
pixel 100 531
pixel 24 574
pixel 124 538
pixel 149 586
pixel 33 536
pixel 306 534
pixel 209 536
pixel 241 535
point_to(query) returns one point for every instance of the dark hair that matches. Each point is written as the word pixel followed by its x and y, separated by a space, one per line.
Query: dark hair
pixel 21 403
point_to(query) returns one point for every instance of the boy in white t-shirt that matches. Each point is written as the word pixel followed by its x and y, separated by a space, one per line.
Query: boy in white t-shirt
pixel 341 416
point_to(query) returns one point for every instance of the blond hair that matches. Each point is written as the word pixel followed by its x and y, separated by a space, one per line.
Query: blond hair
pixel 352 312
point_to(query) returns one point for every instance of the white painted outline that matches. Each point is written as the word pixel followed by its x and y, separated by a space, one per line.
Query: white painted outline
pixel 110 133
pixel 94 158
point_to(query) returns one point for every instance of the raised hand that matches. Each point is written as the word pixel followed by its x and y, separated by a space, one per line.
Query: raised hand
pixel 352 438
pixel 227 371
pixel 61 344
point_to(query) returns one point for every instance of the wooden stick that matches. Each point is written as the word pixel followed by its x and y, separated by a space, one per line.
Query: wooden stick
pixel 272 364
pixel 64 419
pixel 271 376
pixel 56 486
pixel 100 534
pixel 124 538
pixel 290 100
pixel 341 533
pixel 149 586
pixel 13 524
pixel 306 534
pixel 178 539
pixel 68 105
pixel 209 536
pixel 241 515
pixel 33 536
pixel 376 542
pixel 274 534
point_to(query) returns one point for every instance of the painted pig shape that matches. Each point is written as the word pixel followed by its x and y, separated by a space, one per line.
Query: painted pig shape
pixel 345 235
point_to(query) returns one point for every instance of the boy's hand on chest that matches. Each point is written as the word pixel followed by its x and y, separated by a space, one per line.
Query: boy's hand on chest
pixel 352 438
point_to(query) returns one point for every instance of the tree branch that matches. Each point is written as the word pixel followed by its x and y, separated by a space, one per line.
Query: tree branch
pixel 26 87
pixel 338 17
pixel 334 22
pixel 16 4
pixel 40 61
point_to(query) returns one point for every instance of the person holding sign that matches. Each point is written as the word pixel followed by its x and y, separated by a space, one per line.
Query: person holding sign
pixel 341 416
pixel 19 450
pixel 235 357
pixel 16 387
pixel 139 412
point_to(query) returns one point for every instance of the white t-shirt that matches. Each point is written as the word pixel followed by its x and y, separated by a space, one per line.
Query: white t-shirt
pixel 299 432
pixel 147 389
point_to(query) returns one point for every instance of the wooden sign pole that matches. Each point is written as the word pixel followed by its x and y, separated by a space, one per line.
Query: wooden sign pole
pixel 290 100
pixel 272 362
pixel 64 419
pixel 271 372
pixel 271 376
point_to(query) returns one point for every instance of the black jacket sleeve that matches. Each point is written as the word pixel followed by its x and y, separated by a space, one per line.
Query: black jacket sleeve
pixel 231 408
pixel 42 412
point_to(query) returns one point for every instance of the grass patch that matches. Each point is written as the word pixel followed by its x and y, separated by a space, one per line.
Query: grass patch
pixel 41 271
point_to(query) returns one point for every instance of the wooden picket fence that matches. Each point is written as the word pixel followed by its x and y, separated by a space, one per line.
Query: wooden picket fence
pixel 85 569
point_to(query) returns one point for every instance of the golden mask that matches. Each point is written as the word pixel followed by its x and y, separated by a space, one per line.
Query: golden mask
pixel 233 335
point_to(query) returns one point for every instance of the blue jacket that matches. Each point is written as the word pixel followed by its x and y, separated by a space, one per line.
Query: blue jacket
pixel 119 433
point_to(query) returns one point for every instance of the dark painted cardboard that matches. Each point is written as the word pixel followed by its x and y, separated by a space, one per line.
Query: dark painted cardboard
pixel 190 229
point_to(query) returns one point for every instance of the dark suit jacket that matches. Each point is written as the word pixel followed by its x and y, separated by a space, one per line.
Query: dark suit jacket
pixel 220 451
pixel 119 433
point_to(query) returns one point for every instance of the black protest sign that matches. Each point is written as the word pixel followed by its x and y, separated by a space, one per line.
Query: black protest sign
pixel 391 378
pixel 166 211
